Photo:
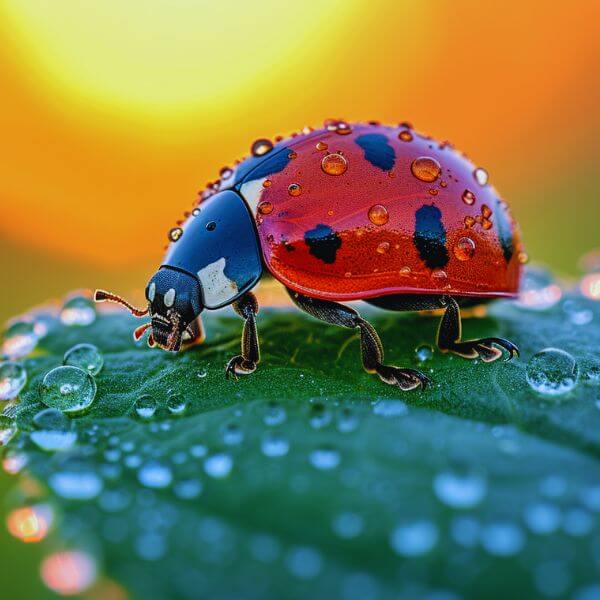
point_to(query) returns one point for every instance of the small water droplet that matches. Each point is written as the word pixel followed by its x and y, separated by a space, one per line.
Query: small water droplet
pixel 232 434
pixel 334 164
pixel 320 416
pixel 468 197
pixel 267 183
pixel 481 176
pixel 225 173
pixel 347 525
pixel 578 312
pixel 460 490
pixel 324 458
pixel 78 310
pixel 321 146
pixel 424 352
pixel 464 249
pixel 187 489
pixel 218 465
pixel 404 271
pixel 414 539
pixel 19 339
pixel 175 233
pixel 502 538
pixel 426 168
pixel 523 257
pixel 294 189
pixel 274 414
pixel 261 146
pixel 274 445
pixel 378 214
pixel 552 372
pixel 211 226
pixel 176 404
pixel 68 389
pixel 303 562
pixel 405 136
pixel 343 128
pixel 439 275
pixel 86 357
pixel 265 208
pixel 383 247
pixel 347 421
pixel 155 474
pixel 390 408
pixel 196 212
pixel 78 484
pixel 145 406
pixel 542 517
pixel 13 378
pixel 8 428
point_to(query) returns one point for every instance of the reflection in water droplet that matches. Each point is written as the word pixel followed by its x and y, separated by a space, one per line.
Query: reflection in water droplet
pixel 334 164
pixel 274 445
pixel 426 168
pixel 424 352
pixel 464 249
pixel 468 197
pixel 13 378
pixel 502 538
pixel 78 310
pixel 324 458
pixel 19 339
pixel 69 572
pixel 86 357
pixel 175 234
pixel 69 389
pixel 552 372
pixel 218 465
pixel 145 406
pixel 76 485
pixel 378 214
pixel 481 176
pixel 460 490
pixel 414 539
pixel 294 189
pixel 176 404
pixel 261 146
pixel 155 474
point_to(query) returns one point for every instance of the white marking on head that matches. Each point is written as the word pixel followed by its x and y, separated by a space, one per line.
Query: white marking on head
pixel 152 292
pixel 217 287
pixel 169 298
pixel 251 191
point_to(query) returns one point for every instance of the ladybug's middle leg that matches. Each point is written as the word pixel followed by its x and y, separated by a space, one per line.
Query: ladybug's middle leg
pixel 370 344
pixel 245 363
pixel 449 338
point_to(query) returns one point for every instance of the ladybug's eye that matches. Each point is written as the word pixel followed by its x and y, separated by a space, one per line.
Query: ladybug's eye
pixel 169 298
pixel 151 291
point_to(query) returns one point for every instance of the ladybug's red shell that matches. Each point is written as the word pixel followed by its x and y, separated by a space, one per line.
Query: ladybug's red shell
pixel 356 212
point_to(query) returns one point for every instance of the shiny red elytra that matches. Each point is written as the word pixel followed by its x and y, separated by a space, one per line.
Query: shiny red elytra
pixel 346 212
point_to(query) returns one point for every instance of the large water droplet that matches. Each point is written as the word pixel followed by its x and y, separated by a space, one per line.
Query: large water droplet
pixel 464 249
pixel 155 474
pixel 54 431
pixel 321 146
pixel 19 339
pixel 334 164
pixel 79 311
pixel 218 465
pixel 86 357
pixel 274 445
pixel 414 539
pixel 261 146
pixel 552 372
pixel 324 458
pixel 426 168
pixel 13 378
pixel 69 389
pixel 145 406
pixel 378 214
pixel 176 404
pixel 460 490
pixel 76 484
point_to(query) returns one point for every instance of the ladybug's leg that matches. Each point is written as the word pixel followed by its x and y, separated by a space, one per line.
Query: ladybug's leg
pixel 245 363
pixel 449 334
pixel 370 344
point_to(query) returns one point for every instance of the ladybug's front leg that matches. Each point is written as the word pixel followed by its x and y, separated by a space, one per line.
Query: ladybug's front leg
pixel 449 334
pixel 245 363
pixel 370 344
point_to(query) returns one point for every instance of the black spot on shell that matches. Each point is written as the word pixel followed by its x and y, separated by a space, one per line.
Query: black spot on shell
pixel 430 236
pixel 323 243
pixel 377 150
pixel 505 230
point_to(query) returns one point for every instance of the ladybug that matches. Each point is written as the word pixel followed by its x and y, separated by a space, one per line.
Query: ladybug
pixel 346 212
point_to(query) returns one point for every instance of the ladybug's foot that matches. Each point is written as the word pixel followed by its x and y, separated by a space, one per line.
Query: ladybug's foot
pixel 405 379
pixel 238 365
pixel 488 349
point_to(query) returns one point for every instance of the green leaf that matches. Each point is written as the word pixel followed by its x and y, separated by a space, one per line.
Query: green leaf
pixel 311 478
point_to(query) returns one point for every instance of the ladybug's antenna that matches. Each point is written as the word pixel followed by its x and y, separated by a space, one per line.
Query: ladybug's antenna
pixel 102 296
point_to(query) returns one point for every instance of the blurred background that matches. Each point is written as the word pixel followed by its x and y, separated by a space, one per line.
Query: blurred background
pixel 113 114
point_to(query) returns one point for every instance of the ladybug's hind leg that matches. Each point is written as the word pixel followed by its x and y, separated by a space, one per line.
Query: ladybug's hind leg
pixel 370 344
pixel 245 363
pixel 449 334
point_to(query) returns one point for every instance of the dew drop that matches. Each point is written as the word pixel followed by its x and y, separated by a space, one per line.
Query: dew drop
pixel 155 474
pixel 267 183
pixel 321 146
pixel 424 352
pixel 439 275
pixel 78 310
pixel 274 414
pixel 390 409
pixel 8 428
pixel 13 378
pixel 232 434
pixel 54 431
pixel 76 484
pixel 69 389
pixel 225 173
pixel 542 518
pixel 218 465
pixel 414 539
pixel 469 221
pixel 324 458
pixel 196 212
pixel 347 525
pixel 464 249
pixel 539 290
pixel 145 406
pixel 552 372
pixel 481 176
pixel 19 339
pixel 405 136
pixel 334 164
pixel 175 233
pixel 86 357
pixel 274 445
pixel 343 128
pixel 292 155
pixel 502 538
pixel 468 197
pixel 347 421
pixel 261 146
pixel 426 168
pixel 303 562
pixel 460 490
pixel 187 489
pixel 176 404
pixel 577 312
pixel 265 208
pixel 378 214
pixel 383 248
pixel 211 226
pixel 294 189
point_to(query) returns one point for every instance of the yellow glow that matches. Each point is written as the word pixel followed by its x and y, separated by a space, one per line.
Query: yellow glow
pixel 30 523
pixel 166 56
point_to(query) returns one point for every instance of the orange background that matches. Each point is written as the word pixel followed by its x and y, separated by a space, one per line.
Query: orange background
pixel 113 114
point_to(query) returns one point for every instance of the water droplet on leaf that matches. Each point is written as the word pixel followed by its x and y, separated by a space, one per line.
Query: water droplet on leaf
pixel 86 357
pixel 78 310
pixel 13 378
pixel 552 372
pixel 68 389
